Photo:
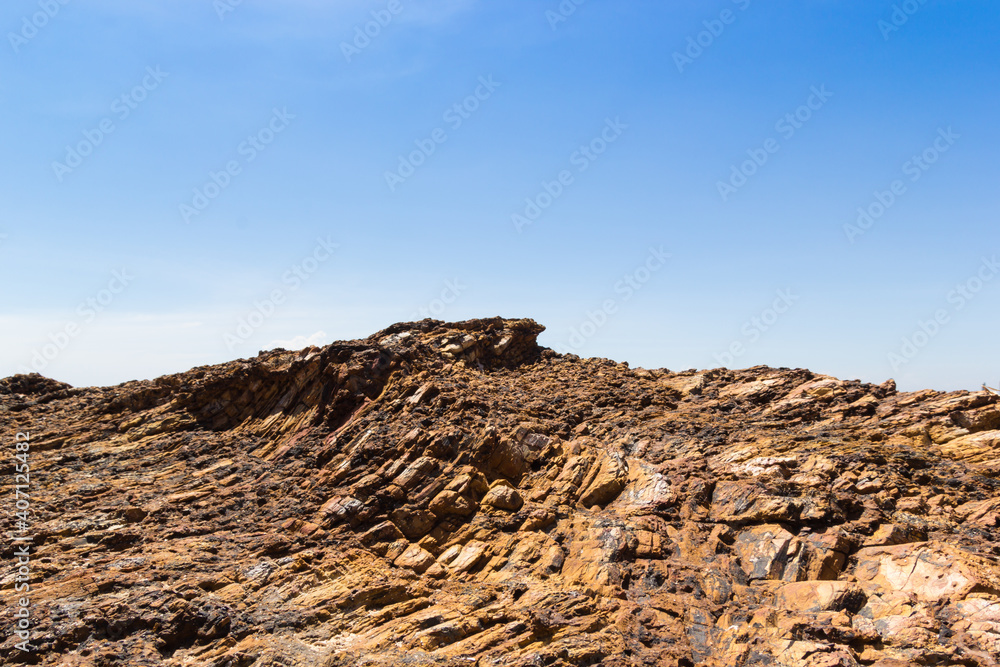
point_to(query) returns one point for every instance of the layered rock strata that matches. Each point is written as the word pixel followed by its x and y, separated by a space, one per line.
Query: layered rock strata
pixel 454 494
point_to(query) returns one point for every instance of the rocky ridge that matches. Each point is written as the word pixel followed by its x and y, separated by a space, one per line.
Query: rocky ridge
pixel 454 494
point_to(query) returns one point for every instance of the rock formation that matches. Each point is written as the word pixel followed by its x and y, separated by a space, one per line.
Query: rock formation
pixel 454 494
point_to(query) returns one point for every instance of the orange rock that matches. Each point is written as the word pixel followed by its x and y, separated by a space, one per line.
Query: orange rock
pixel 455 494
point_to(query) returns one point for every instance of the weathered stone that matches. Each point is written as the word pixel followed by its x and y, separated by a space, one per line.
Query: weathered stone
pixel 764 551
pixel 412 523
pixel 503 498
pixel 415 558
pixel 451 502
pixel 508 459
pixel 426 392
pixel 890 533
pixel 320 507
pixel 828 550
pixel 974 448
pixel 812 596
pixel 415 473
pixel 929 571
pixel 748 502
pixel 606 481
pixel 468 557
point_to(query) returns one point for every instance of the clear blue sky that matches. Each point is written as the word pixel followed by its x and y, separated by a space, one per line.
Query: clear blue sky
pixel 632 126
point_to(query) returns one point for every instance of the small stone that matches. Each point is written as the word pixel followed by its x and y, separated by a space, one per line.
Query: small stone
pixel 503 498
pixel 415 558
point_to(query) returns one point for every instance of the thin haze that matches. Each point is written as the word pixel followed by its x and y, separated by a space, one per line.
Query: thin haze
pixel 682 184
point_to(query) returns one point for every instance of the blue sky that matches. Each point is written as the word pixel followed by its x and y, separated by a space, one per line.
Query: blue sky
pixel 673 184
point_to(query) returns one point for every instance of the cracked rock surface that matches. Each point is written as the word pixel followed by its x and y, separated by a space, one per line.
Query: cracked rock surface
pixel 454 494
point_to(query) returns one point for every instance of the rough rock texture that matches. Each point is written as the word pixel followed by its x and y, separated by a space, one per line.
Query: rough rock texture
pixel 453 494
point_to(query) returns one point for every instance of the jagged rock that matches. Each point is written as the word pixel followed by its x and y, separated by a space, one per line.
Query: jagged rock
pixel 503 497
pixel 606 481
pixel 814 596
pixel 927 571
pixel 452 494
pixel 414 558
pixel 975 448
pixel 450 502
pixel 765 551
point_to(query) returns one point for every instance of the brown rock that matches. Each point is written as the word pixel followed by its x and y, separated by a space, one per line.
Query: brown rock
pixel 320 507
pixel 764 551
pixel 890 533
pixel 414 558
pixel 412 523
pixel 606 481
pixel 981 448
pixel 503 498
pixel 930 571
pixel 451 502
pixel 813 596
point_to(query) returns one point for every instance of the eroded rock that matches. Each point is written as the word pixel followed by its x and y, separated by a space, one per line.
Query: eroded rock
pixel 452 494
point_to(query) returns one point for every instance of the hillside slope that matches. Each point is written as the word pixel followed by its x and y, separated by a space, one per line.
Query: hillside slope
pixel 453 494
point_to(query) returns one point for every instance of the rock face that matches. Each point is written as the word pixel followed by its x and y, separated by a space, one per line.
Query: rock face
pixel 453 494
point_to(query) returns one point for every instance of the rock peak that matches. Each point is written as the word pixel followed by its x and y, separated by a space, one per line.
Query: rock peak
pixel 488 342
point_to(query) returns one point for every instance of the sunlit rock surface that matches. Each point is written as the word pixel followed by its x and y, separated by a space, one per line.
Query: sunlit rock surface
pixel 453 494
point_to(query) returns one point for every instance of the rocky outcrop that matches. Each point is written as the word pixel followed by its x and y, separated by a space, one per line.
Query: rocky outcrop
pixel 454 494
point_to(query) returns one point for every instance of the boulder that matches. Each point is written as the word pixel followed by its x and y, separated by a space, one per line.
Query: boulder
pixel 503 498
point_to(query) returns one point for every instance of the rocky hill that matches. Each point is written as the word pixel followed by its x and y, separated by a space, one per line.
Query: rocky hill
pixel 453 494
